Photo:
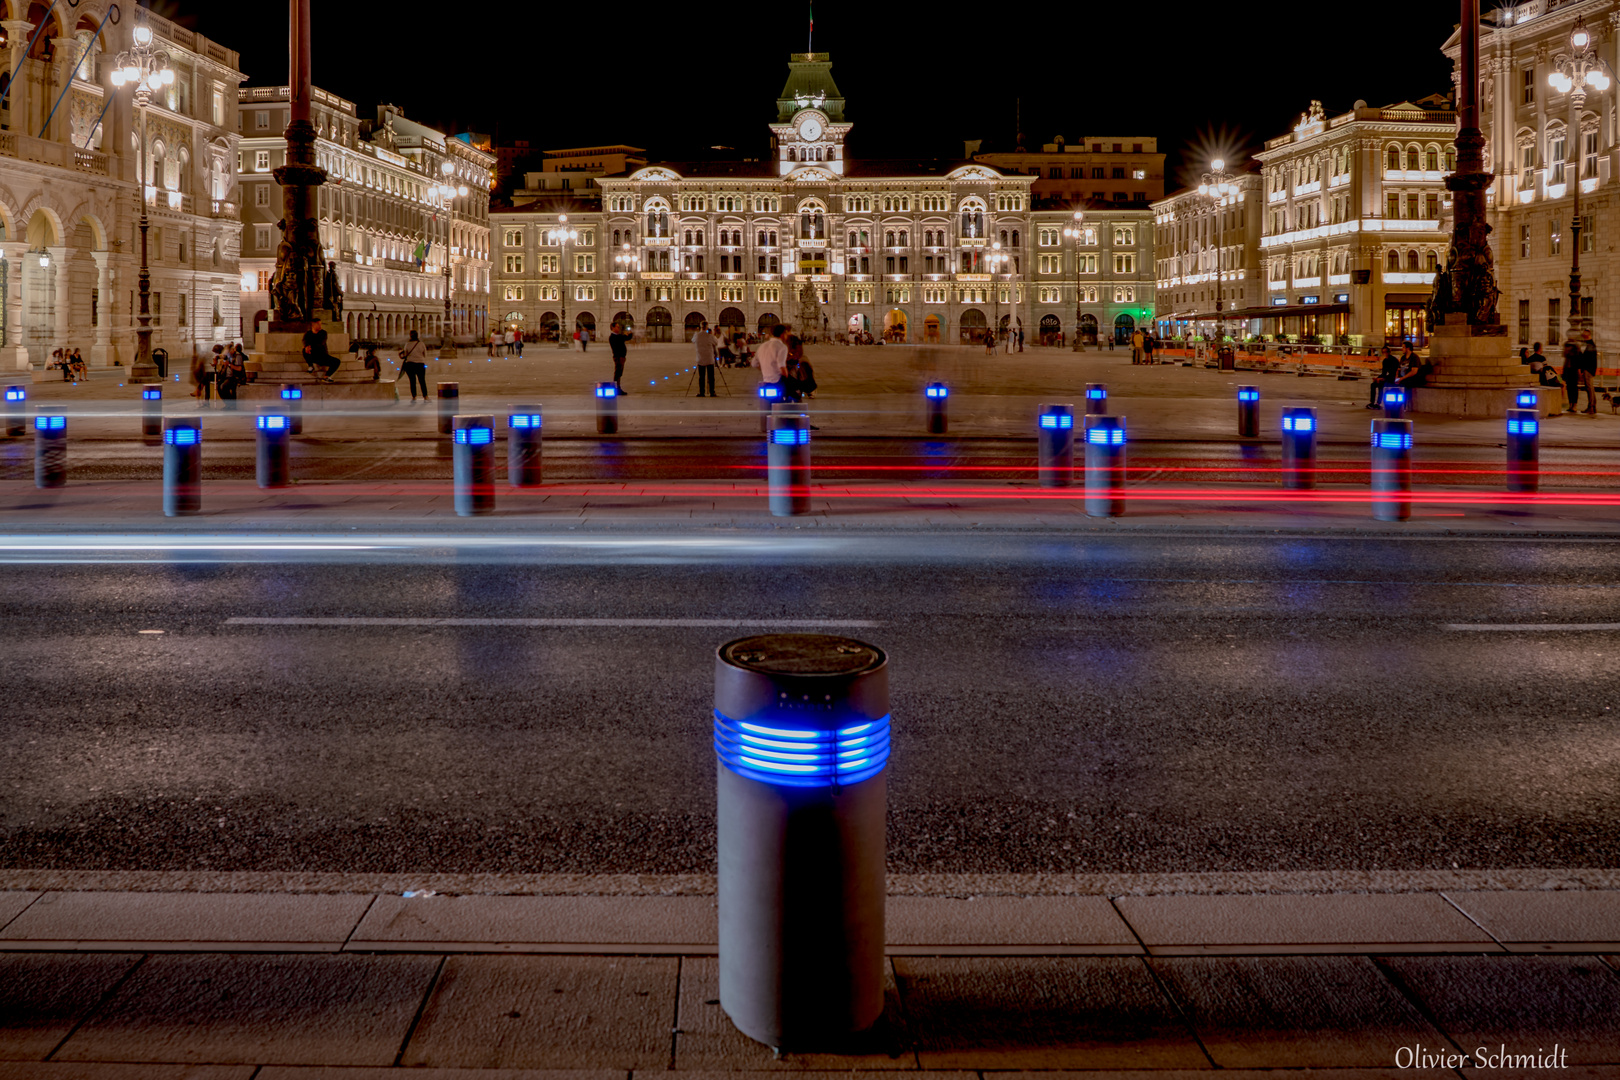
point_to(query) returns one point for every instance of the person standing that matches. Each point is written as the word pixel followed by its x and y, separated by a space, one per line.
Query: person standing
pixel 772 356
pixel 617 342
pixel 1572 375
pixel 517 340
pixel 1588 371
pixel 703 345
pixel 412 364
pixel 202 376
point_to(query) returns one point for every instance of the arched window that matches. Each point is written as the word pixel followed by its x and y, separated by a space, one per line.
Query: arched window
pixel 1412 161
pixel 905 237
pixel 615 237
pixel 792 154
pixel 1015 238
pixel 1431 262
pixel 1394 261
pixel 1412 261
pixel 761 238
pixel 1433 162
pixel 888 238
pixel 1394 158
pixel 1003 237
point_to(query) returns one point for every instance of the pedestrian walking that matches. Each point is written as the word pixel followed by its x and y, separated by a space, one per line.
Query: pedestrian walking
pixel 1588 367
pixel 202 375
pixel 618 339
pixel 494 338
pixel 413 364
pixel 703 346
pixel 517 341
pixel 1572 375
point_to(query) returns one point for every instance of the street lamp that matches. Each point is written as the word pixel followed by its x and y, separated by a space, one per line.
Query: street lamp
pixel 1222 187
pixel 448 192
pixel 1076 232
pixel 148 69
pixel 996 260
pixel 1583 69
pixel 561 235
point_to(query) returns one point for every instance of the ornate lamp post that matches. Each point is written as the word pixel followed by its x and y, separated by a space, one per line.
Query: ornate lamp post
pixel 1075 232
pixel 562 234
pixel 1221 186
pixel 996 260
pixel 628 263
pixel 147 68
pixel 1583 69
pixel 448 192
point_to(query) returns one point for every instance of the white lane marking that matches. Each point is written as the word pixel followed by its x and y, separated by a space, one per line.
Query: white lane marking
pixel 1535 628
pixel 247 620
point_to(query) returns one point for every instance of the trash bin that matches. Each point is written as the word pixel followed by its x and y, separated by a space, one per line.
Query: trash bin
pixel 160 357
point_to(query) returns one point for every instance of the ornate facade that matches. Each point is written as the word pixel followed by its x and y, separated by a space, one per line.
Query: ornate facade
pixel 905 250
pixel 70 156
pixel 1207 250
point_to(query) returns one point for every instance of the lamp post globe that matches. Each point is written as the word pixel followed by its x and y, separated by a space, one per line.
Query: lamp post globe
pixel 146 68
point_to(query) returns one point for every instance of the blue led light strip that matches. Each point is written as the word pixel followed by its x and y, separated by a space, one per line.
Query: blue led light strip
pixel 185 436
pixel 792 756
pixel 1106 437
pixel 1298 423
pixel 477 436
pixel 1521 427
pixel 50 423
pixel 1391 440
pixel 272 423
pixel 790 436
pixel 1051 420
pixel 523 420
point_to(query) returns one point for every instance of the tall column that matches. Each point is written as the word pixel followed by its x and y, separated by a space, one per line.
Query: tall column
pixel 62 322
pixel 16 348
pixel 1468 285
pixel 296 288
pixel 21 97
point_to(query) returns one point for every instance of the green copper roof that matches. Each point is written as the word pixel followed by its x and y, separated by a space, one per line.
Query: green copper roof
pixel 810 85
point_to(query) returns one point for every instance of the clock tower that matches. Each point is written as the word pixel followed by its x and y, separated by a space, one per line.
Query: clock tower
pixel 810 126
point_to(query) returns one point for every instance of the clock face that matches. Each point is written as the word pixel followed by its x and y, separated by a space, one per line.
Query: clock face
pixel 810 129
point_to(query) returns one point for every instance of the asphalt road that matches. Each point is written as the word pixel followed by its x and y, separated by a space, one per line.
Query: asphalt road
pixel 1134 704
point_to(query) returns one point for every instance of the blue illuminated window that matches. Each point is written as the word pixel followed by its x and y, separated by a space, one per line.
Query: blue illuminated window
pixel 1097 393
pixel 291 393
pixel 938 391
pixel 1299 423
pixel 523 420
pixel 182 436
pixel 790 436
pixel 152 393
pixel 50 423
pixel 793 756
pixel 769 390
pixel 1053 420
pixel 1248 395
pixel 16 393
pixel 1106 436
pixel 1527 399
pixel 272 423
pixel 1392 440
pixel 475 436
pixel 607 391
pixel 1395 395
pixel 1522 427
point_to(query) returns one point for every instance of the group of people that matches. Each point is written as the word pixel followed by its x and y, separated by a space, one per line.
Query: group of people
pixel 1142 345
pixel 782 363
pixel 1578 371
pixel 71 363
pixel 1012 338
pixel 220 374
pixel 1407 370
pixel 510 340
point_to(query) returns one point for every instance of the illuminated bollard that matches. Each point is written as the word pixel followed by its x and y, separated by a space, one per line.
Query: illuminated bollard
pixel 1392 469
pixel 938 395
pixel 449 402
pixel 1527 399
pixel 1054 446
pixel 1248 412
pixel 152 415
pixel 16 409
pixel 523 447
pixel 292 406
pixel 769 394
pixel 272 448
pixel 787 465
pixel 1096 399
pixel 801 730
pixel 607 408
pixel 1105 466
pixel 182 465
pixel 1394 402
pixel 1299 448
pixel 50 447
pixel 473 465
pixel 1523 450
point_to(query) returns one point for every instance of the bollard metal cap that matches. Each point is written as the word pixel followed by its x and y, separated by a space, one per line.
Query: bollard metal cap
pixel 449 389
pixel 813 680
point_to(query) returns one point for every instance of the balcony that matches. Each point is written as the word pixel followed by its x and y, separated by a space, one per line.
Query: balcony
pixel 44 152
pixel 221 208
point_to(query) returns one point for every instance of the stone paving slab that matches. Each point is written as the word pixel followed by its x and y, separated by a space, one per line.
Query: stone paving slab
pixel 44 996
pixel 307 1072
pixel 1366 922
pixel 554 1012
pixel 1293 1011
pixel 1042 1013
pixel 682 924
pixel 85 1070
pixel 1040 924
pixel 13 904
pixel 195 921
pixel 1530 1006
pixel 293 1009
pixel 1546 921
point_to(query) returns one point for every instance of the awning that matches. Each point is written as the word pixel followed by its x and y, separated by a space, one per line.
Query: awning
pixel 1288 309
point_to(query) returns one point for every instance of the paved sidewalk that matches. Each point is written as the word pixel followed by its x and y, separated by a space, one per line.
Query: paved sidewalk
pixel 265 985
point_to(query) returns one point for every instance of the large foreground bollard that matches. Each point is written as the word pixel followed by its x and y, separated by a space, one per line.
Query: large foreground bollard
pixel 473 465
pixel 50 447
pixel 1248 412
pixel 1392 469
pixel 607 408
pixel 1105 466
pixel 272 460
pixel 1299 448
pixel 182 465
pixel 938 395
pixel 1096 399
pixel 1523 450
pixel 1054 446
pixel 16 410
pixel 449 402
pixel 292 404
pixel 801 730
pixel 787 465
pixel 152 415
pixel 1394 402
pixel 523 446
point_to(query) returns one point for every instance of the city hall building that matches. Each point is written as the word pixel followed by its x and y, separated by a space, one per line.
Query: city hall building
pixel 905 250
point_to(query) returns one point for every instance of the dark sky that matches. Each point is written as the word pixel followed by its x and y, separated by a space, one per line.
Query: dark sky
pixel 679 81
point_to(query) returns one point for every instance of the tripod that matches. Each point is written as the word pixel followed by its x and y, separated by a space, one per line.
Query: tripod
pixel 718 370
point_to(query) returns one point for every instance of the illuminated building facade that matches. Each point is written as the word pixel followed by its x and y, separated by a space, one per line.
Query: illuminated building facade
pixel 1208 249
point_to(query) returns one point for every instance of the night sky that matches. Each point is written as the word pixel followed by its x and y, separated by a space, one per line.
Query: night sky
pixel 582 74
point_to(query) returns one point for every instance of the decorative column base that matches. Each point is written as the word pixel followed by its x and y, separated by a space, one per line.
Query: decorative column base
pixel 1475 372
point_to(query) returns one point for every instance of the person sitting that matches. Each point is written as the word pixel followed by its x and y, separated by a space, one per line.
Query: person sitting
pixel 804 374
pixel 372 364
pixel 1388 371
pixel 321 363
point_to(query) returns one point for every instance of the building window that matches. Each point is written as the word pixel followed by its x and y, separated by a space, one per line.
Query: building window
pixel 514 292
pixel 1524 243
pixel 261 194
pixel 1524 322
pixel 514 264
pixel 1555 238
pixel 1588 232
pixel 261 237
pixel 261 119
pixel 1085 264
pixel 1124 264
pixel 1555 319
pixel 1560 149
pixel 514 237
pixel 1527 86
pixel 261 159
pixel 1589 154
